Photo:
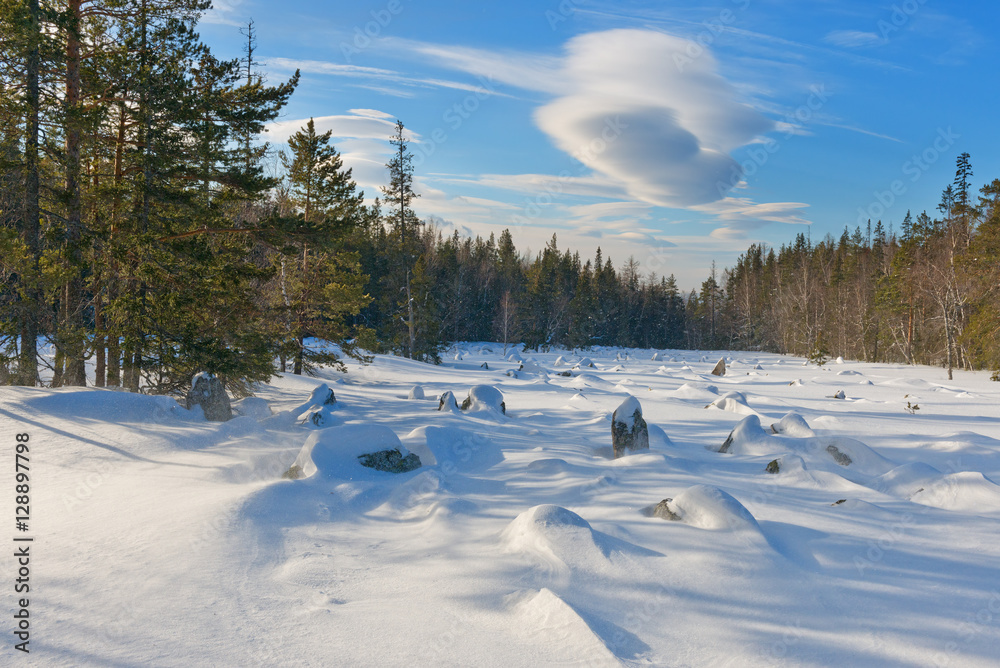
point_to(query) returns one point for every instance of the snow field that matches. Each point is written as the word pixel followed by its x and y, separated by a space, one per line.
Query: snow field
pixel 163 539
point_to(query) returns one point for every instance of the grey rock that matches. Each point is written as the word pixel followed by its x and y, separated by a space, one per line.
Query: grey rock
pixel 208 392
pixel 662 510
pixel 720 368
pixel 447 402
pixel 629 431
pixel 390 461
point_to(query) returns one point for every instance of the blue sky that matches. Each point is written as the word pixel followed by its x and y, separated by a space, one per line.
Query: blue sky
pixel 677 133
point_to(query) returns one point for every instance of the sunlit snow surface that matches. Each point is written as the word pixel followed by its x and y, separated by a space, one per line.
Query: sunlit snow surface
pixel 165 540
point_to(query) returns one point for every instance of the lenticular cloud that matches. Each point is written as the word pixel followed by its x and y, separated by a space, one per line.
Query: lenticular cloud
pixel 637 107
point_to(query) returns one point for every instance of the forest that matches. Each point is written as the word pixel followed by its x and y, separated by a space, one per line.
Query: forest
pixel 145 230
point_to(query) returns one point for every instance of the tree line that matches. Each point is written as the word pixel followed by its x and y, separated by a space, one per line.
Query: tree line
pixel 927 294
pixel 146 234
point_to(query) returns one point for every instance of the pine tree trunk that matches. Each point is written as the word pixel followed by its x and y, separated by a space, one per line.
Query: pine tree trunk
pixel 100 368
pixel 410 324
pixel 27 373
pixel 72 336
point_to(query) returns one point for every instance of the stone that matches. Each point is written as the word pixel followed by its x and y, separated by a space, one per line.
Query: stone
pixel 629 431
pixel 662 510
pixel 485 397
pixel 447 402
pixel 208 392
pixel 390 461
pixel 840 457
pixel 720 368
pixel 773 466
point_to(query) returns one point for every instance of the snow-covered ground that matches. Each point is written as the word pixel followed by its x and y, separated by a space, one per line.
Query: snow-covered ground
pixel 165 540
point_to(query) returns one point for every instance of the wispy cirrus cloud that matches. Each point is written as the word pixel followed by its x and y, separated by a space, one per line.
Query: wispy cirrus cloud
pixel 853 39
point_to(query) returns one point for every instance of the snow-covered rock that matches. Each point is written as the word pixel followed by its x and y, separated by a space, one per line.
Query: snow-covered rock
pixel 484 398
pixel 416 392
pixel 628 429
pixel 208 392
pixel 707 507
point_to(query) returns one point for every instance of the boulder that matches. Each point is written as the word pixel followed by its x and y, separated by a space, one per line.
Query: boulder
pixel 390 461
pixel 662 510
pixel 720 368
pixel 208 392
pixel 447 402
pixel 629 431
pixel 774 466
pixel 485 397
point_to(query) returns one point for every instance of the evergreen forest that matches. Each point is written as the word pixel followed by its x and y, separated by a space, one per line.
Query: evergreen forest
pixel 149 232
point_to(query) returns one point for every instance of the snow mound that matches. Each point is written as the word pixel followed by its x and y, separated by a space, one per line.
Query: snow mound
pixel 734 402
pixel 832 453
pixel 793 424
pixel 561 541
pixel 514 357
pixel 848 372
pixel 252 407
pixel 452 449
pixel 584 363
pixel 699 392
pixel 562 632
pixel 903 481
pixel 589 381
pixel 416 392
pixel 332 454
pixel 708 507
pixel 658 437
pixel 968 491
pixel 484 398
pixel 109 406
pixel 560 361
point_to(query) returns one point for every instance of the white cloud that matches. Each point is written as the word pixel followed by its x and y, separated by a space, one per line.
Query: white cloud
pixel 740 216
pixel 354 126
pixel 853 39
pixel 645 113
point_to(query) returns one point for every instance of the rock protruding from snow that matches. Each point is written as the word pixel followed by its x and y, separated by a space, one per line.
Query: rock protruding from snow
pixel 322 396
pixel 793 424
pixel 416 392
pixel 447 402
pixel 747 431
pixel 484 398
pixel 208 392
pixel 734 402
pixel 628 429
pixel 655 357
pixel 708 507
pixel 720 368
pixel 390 461
pixel 341 453
pixel 585 363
